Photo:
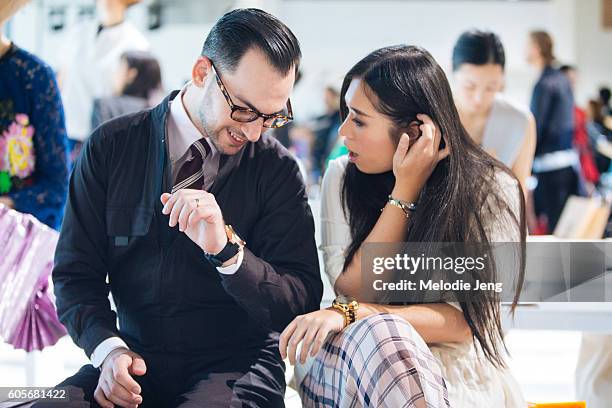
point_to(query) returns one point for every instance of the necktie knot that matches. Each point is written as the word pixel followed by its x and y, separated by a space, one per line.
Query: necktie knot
pixel 191 173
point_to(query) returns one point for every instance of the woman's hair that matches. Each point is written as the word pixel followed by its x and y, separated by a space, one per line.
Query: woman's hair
pixel 401 82
pixel 545 44
pixel 478 48
pixel 148 78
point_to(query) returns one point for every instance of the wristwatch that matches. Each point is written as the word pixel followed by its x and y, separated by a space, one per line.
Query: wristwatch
pixel 348 306
pixel 234 243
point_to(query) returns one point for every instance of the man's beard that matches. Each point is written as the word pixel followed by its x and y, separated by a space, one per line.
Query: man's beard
pixel 213 135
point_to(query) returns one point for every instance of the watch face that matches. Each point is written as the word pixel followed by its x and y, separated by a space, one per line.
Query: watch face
pixel 232 236
pixel 345 300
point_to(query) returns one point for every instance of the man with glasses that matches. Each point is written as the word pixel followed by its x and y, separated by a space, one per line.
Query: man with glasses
pixel 200 225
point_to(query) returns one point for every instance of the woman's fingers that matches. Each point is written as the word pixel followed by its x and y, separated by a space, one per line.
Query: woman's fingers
pixel 318 342
pixel 294 341
pixel 284 338
pixel 432 131
pixel 402 148
pixel 308 339
pixel 443 154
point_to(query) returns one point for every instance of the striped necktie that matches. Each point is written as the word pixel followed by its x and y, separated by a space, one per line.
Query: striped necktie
pixel 191 174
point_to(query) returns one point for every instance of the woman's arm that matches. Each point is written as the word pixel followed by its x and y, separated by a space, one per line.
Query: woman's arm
pixel 435 322
pixel 390 227
pixel 522 165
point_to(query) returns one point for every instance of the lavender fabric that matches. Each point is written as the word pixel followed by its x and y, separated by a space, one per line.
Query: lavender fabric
pixel 28 319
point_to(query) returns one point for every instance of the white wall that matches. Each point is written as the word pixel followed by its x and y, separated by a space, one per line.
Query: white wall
pixel 594 50
pixel 336 33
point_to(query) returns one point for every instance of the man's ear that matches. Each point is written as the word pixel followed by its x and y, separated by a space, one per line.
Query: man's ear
pixel 201 69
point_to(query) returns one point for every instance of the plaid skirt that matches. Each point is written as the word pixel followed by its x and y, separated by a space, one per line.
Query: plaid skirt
pixel 380 361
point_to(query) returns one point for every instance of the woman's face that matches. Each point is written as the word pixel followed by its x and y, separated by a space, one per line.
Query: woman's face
pixel 366 132
pixel 124 76
pixel 476 86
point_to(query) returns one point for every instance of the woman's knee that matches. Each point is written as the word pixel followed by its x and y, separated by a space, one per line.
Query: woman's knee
pixel 385 324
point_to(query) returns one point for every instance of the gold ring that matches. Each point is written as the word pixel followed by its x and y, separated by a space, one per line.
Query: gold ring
pixel 197 200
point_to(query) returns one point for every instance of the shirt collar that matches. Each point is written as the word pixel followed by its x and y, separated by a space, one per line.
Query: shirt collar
pixel 185 132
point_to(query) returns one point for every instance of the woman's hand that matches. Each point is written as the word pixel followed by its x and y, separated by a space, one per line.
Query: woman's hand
pixel 312 328
pixel 412 165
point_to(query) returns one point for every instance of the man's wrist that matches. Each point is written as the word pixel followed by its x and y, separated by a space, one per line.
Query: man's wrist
pixel 114 353
pixel 105 348
pixel 232 268
pixel 233 259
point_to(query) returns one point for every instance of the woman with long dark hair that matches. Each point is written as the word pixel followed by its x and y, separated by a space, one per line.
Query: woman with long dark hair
pixel 413 174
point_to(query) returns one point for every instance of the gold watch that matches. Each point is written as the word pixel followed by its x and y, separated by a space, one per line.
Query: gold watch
pixel 348 306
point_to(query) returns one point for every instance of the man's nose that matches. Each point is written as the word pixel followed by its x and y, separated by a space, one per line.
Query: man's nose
pixel 252 130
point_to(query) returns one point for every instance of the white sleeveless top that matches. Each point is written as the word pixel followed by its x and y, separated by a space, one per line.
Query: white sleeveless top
pixel 505 130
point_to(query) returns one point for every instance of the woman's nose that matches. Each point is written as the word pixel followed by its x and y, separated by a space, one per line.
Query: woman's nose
pixel 343 130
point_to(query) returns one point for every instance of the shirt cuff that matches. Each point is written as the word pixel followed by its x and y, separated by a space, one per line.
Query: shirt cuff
pixel 231 269
pixel 103 349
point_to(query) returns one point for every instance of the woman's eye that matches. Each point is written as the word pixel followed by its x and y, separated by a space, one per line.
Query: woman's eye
pixel 357 122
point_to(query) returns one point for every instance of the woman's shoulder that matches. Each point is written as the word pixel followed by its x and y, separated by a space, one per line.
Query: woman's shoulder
pixel 505 181
pixel 26 61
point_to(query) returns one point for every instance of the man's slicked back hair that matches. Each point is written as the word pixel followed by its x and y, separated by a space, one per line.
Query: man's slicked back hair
pixel 242 29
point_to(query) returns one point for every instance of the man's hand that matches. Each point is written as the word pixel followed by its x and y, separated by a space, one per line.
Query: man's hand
pixel 116 385
pixel 198 215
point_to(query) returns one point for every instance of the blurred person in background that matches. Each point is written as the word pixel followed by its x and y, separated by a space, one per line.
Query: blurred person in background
pixel 502 128
pixel 588 166
pixel 91 59
pixel 33 150
pixel 556 163
pixel 599 135
pixel 325 129
pixel 138 86
pixel 604 98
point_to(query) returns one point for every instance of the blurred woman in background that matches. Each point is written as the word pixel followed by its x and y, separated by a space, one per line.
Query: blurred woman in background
pixel 138 85
pixel 505 130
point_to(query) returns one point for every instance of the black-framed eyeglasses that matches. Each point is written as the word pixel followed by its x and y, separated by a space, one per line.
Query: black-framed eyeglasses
pixel 244 115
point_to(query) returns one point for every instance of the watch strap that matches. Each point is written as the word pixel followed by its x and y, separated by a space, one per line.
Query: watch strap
pixel 227 253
